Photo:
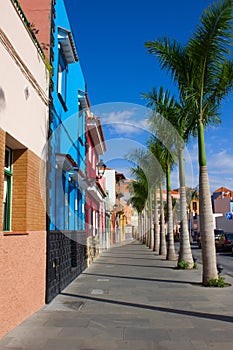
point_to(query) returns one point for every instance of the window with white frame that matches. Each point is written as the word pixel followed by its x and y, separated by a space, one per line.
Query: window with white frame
pixel 62 78
pixel 7 190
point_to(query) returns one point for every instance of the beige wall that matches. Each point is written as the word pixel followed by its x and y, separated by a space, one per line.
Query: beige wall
pixel 22 70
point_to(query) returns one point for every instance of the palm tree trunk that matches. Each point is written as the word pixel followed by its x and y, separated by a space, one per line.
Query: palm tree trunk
pixel 156 224
pixel 185 253
pixel 150 223
pixel 139 226
pixel 206 215
pixel 151 231
pixel 171 254
pixel 144 226
pixel 163 245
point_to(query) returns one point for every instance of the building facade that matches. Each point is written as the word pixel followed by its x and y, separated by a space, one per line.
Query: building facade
pixel 66 146
pixel 66 152
pixel 23 133
pixel 96 194
pixel 222 201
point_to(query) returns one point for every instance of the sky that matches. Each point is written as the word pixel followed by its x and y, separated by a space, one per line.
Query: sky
pixel 110 37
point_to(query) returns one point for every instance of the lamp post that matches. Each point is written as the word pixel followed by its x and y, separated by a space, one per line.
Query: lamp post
pixel 101 168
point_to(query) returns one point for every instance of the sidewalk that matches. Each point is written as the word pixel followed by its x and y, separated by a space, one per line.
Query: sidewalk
pixel 130 298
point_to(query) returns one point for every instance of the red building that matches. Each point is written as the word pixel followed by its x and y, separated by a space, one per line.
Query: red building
pixel 95 194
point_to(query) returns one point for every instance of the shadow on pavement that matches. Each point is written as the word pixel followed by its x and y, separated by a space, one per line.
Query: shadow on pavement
pixel 155 308
pixel 125 257
pixel 153 267
pixel 138 278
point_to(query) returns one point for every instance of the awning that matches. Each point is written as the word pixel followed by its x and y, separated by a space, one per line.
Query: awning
pixel 67 45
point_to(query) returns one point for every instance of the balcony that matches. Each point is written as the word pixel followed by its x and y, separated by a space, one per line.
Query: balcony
pixel 96 133
pixel 67 44
pixel 96 191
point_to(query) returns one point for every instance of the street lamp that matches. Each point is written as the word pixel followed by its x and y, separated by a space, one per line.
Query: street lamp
pixel 101 168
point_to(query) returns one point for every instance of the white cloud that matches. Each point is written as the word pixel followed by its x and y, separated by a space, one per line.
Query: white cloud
pixel 219 164
pixel 124 122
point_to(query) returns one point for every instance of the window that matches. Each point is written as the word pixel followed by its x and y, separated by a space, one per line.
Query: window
pixel 61 79
pixel 67 55
pixel 194 206
pixel 7 190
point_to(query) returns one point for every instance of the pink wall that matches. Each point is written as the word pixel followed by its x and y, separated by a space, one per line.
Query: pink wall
pixel 22 277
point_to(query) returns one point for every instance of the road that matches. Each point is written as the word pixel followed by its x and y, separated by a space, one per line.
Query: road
pixel 223 258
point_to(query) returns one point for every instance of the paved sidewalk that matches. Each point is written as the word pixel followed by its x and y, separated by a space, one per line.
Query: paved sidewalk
pixel 130 298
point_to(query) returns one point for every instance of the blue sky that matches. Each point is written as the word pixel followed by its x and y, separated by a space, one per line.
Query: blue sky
pixel 110 37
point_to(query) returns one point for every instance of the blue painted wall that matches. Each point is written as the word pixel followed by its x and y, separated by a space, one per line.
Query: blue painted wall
pixel 68 135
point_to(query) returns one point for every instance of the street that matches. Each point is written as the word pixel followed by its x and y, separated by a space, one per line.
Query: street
pixel 130 298
pixel 223 258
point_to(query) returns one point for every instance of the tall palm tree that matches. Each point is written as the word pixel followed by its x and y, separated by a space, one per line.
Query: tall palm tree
pixel 139 194
pixel 176 128
pixel 148 167
pixel 164 106
pixel 156 240
pixel 204 73
pixel 155 156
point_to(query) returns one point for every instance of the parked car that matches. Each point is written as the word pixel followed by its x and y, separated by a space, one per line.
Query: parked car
pixel 224 241
pixel 218 233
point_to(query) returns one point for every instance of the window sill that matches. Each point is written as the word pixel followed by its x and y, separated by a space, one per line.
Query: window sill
pixel 8 233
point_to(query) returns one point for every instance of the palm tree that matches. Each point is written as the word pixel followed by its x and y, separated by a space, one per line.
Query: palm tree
pixel 139 194
pixel 163 106
pixel 204 73
pixel 191 194
pixel 156 240
pixel 157 175
pixel 173 112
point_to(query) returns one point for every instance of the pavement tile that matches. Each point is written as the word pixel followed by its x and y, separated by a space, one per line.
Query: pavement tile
pixel 92 332
pixel 167 323
pixel 37 332
pixel 137 345
pixel 121 320
pixel 28 342
pixel 205 334
pixel 68 322
pixel 145 334
pixel 63 344
pixel 176 345
pixel 99 345
pixel 4 341
pixel 221 345
pixel 11 348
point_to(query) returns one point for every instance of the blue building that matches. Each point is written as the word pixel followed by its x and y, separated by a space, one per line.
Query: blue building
pixel 66 147
pixel 66 243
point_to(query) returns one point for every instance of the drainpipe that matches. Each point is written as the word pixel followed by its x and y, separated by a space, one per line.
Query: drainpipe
pixel 48 160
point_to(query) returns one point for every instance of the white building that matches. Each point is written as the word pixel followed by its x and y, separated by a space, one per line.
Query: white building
pixel 23 134
pixel 110 176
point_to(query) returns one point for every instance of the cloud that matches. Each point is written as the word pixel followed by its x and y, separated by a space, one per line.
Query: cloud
pixel 220 163
pixel 126 122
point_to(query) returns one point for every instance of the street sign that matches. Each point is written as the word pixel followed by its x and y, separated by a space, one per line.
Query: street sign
pixel 229 216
